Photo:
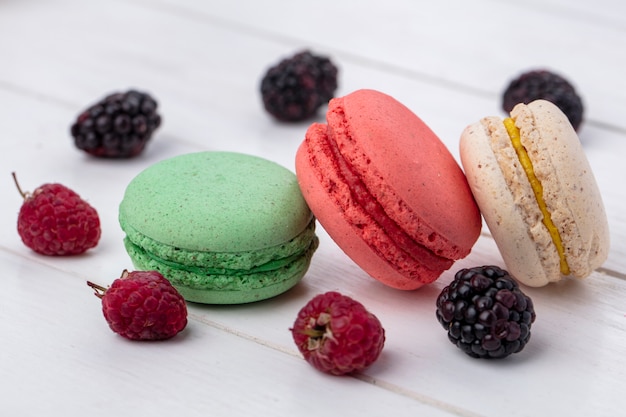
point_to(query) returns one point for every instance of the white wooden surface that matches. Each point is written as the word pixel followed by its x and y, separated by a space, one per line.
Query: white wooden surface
pixel 203 60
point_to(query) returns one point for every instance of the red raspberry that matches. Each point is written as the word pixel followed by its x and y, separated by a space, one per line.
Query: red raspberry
pixel 337 335
pixel 142 305
pixel 54 220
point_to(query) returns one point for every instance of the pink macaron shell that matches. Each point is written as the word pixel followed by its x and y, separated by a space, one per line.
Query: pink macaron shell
pixel 323 202
pixel 399 158
pixel 430 218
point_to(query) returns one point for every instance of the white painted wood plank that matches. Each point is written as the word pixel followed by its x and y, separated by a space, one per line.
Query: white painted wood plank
pixel 580 325
pixel 418 361
pixel 61 349
pixel 205 66
pixel 475 45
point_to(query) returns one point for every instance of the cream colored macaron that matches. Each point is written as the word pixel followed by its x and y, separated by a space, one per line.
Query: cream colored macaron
pixel 537 193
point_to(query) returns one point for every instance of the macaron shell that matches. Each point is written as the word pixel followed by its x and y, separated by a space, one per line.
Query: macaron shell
pixel 344 235
pixel 238 262
pixel 507 202
pixel 215 202
pixel 414 179
pixel 501 208
pixel 200 285
pixel 569 187
pixel 224 228
pixel 399 158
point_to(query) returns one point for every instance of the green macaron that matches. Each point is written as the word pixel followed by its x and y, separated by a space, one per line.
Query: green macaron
pixel 223 227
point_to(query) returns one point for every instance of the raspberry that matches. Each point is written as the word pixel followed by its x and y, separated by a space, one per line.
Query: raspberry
pixel 485 312
pixel 544 84
pixel 118 126
pixel 142 305
pixel 54 220
pixel 298 86
pixel 337 335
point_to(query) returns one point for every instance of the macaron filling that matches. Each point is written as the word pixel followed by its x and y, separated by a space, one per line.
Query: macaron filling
pixel 222 263
pixel 234 285
pixel 515 136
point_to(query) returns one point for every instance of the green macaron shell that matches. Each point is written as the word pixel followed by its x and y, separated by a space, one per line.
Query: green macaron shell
pixel 228 286
pixel 216 202
pixel 223 263
pixel 219 222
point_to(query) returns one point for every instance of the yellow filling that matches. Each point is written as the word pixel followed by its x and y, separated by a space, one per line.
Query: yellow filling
pixel 527 164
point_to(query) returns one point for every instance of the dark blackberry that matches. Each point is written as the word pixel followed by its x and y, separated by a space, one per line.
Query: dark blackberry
pixel 544 84
pixel 485 312
pixel 118 126
pixel 298 86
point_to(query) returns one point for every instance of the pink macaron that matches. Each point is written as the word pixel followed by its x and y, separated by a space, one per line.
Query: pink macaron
pixel 387 190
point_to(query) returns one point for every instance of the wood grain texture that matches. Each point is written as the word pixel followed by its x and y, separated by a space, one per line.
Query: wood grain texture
pixel 448 61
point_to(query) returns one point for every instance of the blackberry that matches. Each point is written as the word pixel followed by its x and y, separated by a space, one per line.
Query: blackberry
pixel 118 126
pixel 544 84
pixel 298 86
pixel 485 312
